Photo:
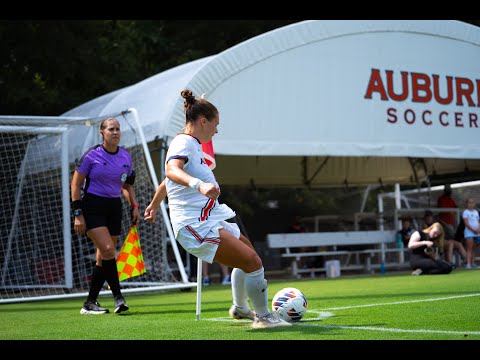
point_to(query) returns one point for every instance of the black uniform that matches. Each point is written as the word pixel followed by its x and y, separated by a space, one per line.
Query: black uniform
pixel 420 260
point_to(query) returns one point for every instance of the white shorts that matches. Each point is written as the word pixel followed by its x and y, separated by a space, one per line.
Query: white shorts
pixel 202 239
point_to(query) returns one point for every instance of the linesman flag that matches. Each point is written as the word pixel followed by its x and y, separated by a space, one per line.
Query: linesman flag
pixel 130 259
pixel 209 155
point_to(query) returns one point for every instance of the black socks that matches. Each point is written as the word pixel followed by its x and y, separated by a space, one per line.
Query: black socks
pixel 111 275
pixel 96 284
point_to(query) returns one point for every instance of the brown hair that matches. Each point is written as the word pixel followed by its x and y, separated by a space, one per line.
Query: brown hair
pixel 195 108
pixel 102 124
pixel 439 241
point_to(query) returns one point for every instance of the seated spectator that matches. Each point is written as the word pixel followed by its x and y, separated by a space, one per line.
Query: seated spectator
pixel 406 230
pixel 427 219
pixel 422 246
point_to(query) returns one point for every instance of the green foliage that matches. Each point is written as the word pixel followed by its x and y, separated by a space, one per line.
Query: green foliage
pixel 49 67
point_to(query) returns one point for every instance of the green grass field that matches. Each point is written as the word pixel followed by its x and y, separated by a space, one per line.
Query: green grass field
pixel 378 307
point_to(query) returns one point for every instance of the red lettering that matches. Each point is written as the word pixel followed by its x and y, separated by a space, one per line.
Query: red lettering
pixel 405 117
pixel 458 119
pixel 478 92
pixel 473 119
pixel 440 118
pixel 376 85
pixel 421 83
pixel 461 91
pixel 436 90
pixel 404 94
pixel 392 113
pixel 425 121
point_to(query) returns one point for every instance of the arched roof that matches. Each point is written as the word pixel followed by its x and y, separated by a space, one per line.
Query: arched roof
pixel 319 88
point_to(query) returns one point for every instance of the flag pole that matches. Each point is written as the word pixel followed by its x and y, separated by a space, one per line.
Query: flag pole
pixel 199 288
pixel 209 156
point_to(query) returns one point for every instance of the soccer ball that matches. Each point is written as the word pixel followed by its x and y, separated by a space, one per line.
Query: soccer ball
pixel 290 304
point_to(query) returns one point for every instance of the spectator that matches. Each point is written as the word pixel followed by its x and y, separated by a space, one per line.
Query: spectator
pixel 422 245
pixel 427 219
pixel 226 280
pixel 447 218
pixel 406 230
pixel 450 244
pixel 472 231
pixel 296 226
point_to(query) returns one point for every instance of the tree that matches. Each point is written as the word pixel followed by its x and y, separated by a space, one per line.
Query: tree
pixel 49 67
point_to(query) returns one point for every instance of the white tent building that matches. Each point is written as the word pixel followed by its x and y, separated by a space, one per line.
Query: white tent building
pixel 321 103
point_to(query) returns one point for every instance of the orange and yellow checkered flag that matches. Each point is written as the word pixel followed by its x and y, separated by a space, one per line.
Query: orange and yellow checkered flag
pixel 130 259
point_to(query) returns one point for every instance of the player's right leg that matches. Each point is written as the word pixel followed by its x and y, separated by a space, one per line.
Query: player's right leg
pixel 237 254
pixel 240 308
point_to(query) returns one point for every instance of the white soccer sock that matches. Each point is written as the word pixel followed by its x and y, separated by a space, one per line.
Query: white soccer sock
pixel 239 294
pixel 256 287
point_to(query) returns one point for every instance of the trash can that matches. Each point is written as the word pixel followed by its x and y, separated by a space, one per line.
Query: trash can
pixel 332 268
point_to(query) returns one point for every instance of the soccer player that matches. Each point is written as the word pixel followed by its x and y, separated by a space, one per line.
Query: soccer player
pixel 200 222
pixel 102 173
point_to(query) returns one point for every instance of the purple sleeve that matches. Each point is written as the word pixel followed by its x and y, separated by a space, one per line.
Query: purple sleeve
pixel 84 165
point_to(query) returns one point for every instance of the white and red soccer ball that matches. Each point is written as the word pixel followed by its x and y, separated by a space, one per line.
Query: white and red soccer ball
pixel 290 304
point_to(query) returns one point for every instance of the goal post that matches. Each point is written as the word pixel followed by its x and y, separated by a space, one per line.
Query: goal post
pixel 40 256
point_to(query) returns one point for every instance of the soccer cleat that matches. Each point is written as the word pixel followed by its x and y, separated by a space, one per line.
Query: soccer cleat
pixel 92 308
pixel 120 305
pixel 227 280
pixel 417 272
pixel 268 321
pixel 238 314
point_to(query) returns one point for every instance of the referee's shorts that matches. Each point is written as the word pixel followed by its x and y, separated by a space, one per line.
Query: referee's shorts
pixel 100 211
pixel 202 239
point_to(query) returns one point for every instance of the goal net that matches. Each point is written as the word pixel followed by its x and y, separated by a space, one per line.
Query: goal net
pixel 40 255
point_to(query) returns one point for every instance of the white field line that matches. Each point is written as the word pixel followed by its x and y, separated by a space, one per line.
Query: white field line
pixel 404 302
pixel 371 328
pixel 323 314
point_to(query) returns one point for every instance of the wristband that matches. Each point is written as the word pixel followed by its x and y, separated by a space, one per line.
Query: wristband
pixel 135 206
pixel 76 204
pixel 194 183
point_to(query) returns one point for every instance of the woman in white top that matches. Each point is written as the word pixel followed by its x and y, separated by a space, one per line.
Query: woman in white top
pixel 199 221
pixel 472 231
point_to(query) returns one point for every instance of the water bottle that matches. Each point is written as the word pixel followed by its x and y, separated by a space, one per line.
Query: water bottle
pixel 399 240
pixel 382 268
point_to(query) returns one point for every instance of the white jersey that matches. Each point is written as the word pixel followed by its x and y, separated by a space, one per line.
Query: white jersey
pixel 187 205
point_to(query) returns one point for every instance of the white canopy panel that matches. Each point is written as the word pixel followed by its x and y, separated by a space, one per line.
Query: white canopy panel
pixel 347 88
pixel 367 95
